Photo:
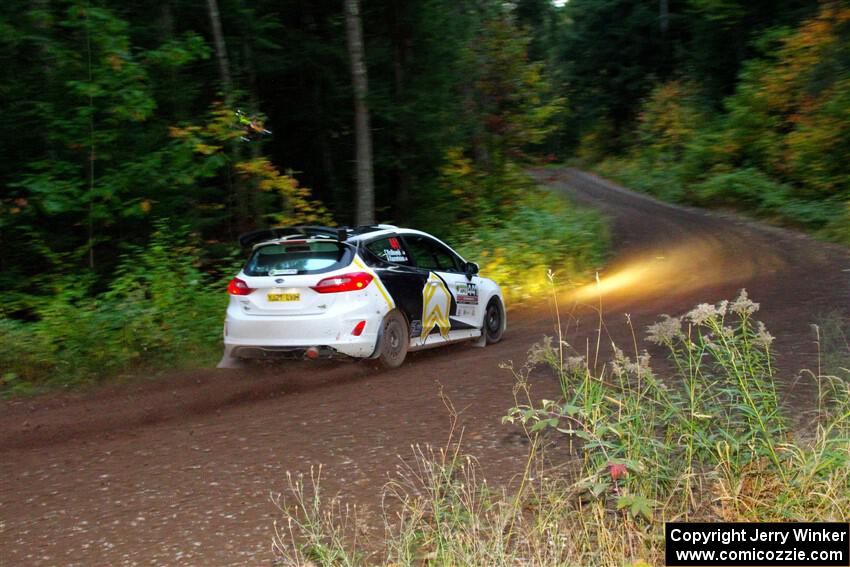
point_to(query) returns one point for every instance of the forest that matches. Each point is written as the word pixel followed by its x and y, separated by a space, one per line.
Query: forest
pixel 127 172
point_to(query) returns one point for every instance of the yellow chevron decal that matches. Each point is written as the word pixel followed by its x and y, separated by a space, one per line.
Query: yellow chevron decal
pixel 378 283
pixel 436 302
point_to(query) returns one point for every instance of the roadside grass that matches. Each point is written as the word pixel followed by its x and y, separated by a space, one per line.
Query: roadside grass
pixel 544 233
pixel 747 191
pixel 833 339
pixel 708 442
pixel 159 312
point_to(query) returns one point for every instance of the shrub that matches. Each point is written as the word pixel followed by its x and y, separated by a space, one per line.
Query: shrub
pixel 515 230
pixel 777 149
pixel 661 179
pixel 544 233
pixel 747 187
pixel 707 443
pixel 668 120
pixel 159 310
pixel 838 227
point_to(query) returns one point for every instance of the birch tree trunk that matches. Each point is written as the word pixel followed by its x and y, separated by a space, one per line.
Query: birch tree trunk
pixel 363 134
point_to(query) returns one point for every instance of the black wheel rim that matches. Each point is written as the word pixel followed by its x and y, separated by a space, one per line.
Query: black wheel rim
pixel 494 320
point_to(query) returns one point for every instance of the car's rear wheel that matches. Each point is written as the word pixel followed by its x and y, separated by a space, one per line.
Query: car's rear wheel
pixel 494 321
pixel 394 341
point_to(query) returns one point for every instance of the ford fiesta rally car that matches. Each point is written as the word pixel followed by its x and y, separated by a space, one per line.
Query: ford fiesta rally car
pixel 373 292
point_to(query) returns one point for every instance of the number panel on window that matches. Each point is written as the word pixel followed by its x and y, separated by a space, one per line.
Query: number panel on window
pixel 389 249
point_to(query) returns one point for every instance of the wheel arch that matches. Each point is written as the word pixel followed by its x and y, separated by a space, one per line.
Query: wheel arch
pixel 490 290
pixel 498 297
pixel 379 335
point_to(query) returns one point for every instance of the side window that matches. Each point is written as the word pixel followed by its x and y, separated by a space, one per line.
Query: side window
pixel 431 255
pixel 389 249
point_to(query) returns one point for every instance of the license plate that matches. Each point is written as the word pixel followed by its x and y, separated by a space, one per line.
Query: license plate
pixel 284 296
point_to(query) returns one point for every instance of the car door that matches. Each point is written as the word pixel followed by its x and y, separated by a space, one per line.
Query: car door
pixel 441 263
pixel 388 257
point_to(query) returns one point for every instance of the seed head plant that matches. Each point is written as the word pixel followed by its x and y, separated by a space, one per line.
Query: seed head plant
pixel 707 441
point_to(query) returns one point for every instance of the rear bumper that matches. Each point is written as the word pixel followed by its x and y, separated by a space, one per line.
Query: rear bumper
pixel 260 336
pixel 279 353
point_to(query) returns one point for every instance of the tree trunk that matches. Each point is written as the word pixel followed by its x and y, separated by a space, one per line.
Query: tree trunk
pixel 43 30
pixel 664 16
pixel 401 54
pixel 220 52
pixel 363 134
pixel 252 190
pixel 243 193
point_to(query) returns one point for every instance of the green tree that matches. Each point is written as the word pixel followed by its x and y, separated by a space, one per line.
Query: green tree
pixel 82 182
pixel 613 55
pixel 513 110
pixel 722 36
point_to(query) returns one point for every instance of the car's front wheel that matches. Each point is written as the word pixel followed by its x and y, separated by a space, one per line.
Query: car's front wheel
pixel 494 321
pixel 394 340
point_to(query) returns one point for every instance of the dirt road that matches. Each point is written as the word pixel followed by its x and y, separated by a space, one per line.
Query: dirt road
pixel 179 471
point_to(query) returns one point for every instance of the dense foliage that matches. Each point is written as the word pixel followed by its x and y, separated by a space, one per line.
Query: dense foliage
pixel 120 116
pixel 770 138
pixel 160 309
pixel 130 168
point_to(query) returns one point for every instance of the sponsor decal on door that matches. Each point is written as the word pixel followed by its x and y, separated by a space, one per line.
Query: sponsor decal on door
pixel 466 293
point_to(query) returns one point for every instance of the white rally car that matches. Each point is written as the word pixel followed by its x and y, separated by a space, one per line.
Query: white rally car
pixel 373 292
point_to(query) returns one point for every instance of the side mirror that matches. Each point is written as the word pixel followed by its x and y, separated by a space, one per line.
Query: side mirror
pixel 471 269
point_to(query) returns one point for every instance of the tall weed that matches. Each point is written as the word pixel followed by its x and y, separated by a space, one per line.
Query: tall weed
pixel 708 442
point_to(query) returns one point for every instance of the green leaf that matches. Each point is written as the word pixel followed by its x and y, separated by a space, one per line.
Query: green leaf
pixel 599 487
pixel 543 424
pixel 637 505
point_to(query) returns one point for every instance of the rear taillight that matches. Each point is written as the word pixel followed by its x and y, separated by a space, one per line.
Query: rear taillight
pixel 346 282
pixel 238 287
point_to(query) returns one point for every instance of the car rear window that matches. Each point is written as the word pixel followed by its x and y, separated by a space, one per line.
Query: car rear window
pixel 290 258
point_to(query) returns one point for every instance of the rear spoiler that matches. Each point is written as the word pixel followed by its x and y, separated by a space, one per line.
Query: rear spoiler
pixel 255 236
pixel 341 234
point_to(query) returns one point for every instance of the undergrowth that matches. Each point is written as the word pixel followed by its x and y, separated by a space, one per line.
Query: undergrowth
pixel 708 442
pixel 747 190
pixel 543 233
pixel 159 311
